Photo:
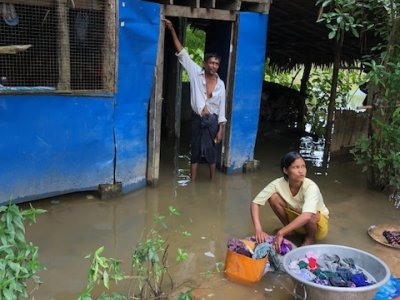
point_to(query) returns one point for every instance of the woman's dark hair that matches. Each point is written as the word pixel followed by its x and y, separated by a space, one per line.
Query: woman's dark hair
pixel 288 159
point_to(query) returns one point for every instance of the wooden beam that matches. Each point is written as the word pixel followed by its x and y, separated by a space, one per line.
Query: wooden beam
pixel 64 64
pixel 255 7
pixel 155 115
pixel 75 4
pixel 199 13
pixel 161 1
pixel 229 96
pixel 233 5
pixel 208 3
pixel 189 3
pixel 109 46
pixel 257 1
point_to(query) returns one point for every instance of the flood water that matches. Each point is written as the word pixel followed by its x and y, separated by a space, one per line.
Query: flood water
pixel 213 212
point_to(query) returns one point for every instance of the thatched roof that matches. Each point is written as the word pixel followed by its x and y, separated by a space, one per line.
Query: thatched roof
pixel 295 38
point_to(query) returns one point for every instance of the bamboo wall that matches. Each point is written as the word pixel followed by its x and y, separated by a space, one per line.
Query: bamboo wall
pixel 349 126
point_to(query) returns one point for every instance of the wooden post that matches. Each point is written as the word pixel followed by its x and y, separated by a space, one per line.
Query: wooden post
pixel 155 115
pixel 303 93
pixel 226 149
pixel 109 46
pixel 332 98
pixel 64 65
pixel 208 3
pixel 178 95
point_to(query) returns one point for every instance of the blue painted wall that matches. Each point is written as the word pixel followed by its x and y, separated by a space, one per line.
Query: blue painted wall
pixel 55 144
pixel 249 75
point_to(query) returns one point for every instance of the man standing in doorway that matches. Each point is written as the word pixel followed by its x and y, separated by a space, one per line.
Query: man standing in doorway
pixel 207 92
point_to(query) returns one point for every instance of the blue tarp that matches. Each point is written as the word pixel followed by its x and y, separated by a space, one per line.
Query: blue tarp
pixel 53 144
pixel 138 33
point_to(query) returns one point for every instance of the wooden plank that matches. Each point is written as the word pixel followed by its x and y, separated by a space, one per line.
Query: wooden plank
pixel 335 144
pixel 360 127
pixel 226 150
pixel 109 46
pixel 75 4
pixel 351 127
pixel 161 1
pixel 199 13
pixel 233 5
pixel 178 95
pixel 155 115
pixel 255 7
pixel 189 3
pixel 64 65
pixel 257 1
pixel 208 3
pixel 355 131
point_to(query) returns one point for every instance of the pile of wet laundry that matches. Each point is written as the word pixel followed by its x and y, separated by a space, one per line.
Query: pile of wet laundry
pixel 250 248
pixel 393 237
pixel 330 270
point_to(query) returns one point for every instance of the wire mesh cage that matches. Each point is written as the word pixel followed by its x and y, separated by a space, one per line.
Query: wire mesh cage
pixel 57 45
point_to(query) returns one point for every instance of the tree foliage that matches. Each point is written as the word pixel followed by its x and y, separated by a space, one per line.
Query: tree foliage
pixel 379 151
pixel 195 45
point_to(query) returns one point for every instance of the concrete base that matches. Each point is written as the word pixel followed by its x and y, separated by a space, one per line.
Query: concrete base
pixel 251 166
pixel 108 191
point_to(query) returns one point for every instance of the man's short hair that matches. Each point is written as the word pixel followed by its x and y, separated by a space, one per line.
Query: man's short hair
pixel 207 56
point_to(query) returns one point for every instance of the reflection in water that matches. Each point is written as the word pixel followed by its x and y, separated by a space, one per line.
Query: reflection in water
pixel 212 211
pixel 183 170
pixel 313 151
pixel 395 198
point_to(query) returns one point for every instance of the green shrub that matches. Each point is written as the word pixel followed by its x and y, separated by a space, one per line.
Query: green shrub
pixel 18 258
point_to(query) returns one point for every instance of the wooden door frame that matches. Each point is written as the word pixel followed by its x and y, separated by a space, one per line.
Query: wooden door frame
pixel 155 106
pixel 155 114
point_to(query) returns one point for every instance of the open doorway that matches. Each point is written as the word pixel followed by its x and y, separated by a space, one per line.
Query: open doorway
pixel 198 36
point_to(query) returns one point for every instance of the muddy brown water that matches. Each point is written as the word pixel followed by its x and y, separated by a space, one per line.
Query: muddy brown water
pixel 212 212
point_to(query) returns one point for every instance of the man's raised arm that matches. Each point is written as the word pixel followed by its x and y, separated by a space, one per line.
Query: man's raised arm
pixel 177 43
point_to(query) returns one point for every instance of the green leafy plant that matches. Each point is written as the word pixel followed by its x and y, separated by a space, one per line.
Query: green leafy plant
pixel 380 153
pixel 381 159
pixel 101 270
pixel 342 16
pixel 185 295
pixel 149 265
pixel 18 257
pixel 195 44
pixel 219 267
